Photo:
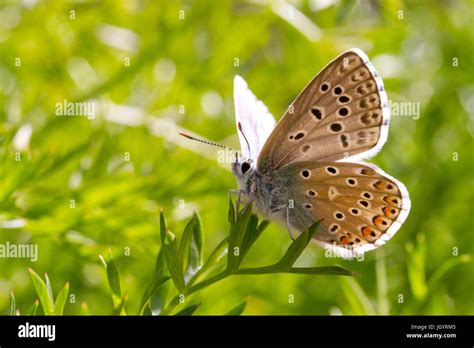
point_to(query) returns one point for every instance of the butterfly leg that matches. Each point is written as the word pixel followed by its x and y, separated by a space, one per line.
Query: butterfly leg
pixel 288 222
pixel 239 194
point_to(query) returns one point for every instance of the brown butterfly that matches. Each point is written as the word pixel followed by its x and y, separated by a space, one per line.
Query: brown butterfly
pixel 307 167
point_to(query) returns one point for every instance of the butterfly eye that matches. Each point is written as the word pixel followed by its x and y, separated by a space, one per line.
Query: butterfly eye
pixel 245 167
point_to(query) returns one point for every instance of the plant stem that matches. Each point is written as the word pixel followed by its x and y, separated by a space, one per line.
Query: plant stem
pixel 260 270
pixel 276 268
pixel 214 279
pixel 209 281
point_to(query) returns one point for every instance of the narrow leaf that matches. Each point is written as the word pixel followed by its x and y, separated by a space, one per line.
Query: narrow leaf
pixel 188 310
pixel 252 234
pixel 147 311
pixel 120 308
pixel 231 213
pixel 49 287
pixel 250 230
pixel 236 235
pixel 237 310
pixel 445 267
pixel 61 300
pixel 32 310
pixel 12 303
pixel 162 227
pixel 174 264
pixel 103 261
pixel 42 292
pixel 195 256
pixel 159 296
pixel 113 277
pixel 185 239
pixel 85 309
pixel 297 246
pixel 212 261
pixel 416 268
pixel 157 281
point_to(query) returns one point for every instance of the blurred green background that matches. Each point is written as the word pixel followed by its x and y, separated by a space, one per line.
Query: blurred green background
pixel 153 68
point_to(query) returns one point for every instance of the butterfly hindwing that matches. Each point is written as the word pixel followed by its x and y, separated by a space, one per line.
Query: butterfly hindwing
pixel 360 205
pixel 341 113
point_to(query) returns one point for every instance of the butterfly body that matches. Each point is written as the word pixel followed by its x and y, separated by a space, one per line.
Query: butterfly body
pixel 268 191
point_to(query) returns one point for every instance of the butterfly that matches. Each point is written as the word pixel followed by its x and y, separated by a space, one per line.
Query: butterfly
pixel 308 166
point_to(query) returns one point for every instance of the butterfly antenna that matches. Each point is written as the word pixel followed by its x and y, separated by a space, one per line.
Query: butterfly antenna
pixel 241 131
pixel 207 142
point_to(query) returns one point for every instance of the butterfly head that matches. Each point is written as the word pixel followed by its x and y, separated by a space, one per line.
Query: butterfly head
pixel 242 168
pixel 244 171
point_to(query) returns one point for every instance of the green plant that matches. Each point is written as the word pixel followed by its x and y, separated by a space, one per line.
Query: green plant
pixel 182 262
pixel 422 286
pixel 224 261
pixel 44 291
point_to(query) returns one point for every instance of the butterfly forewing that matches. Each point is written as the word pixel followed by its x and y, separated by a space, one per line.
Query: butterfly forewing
pixel 255 120
pixel 341 113
pixel 360 205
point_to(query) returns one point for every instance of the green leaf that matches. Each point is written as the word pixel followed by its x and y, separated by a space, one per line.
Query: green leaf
pixel 157 281
pixel 32 310
pixel 236 235
pixel 61 300
pixel 185 239
pixel 253 231
pixel 383 301
pixel 85 309
pixel 250 230
pixel 174 264
pixel 158 297
pixel 113 277
pixel 188 310
pixel 49 287
pixel 162 227
pixel 263 225
pixel 297 246
pixel 212 262
pixel 231 213
pixel 416 268
pixel 103 261
pixel 237 310
pixel 170 252
pixel 147 311
pixel 195 256
pixel 12 303
pixel 445 267
pixel 120 308
pixel 42 291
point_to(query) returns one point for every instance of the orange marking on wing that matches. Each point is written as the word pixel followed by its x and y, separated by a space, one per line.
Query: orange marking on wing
pixel 380 222
pixel 393 201
pixel 366 231
pixel 345 240
pixel 390 212
pixel 380 185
